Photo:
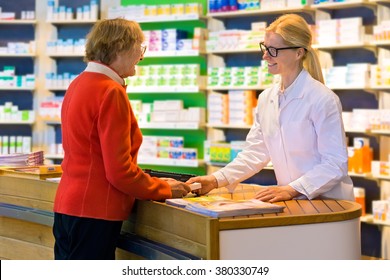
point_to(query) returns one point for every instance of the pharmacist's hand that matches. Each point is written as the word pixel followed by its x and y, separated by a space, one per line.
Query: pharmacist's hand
pixel 208 182
pixel 277 193
pixel 178 189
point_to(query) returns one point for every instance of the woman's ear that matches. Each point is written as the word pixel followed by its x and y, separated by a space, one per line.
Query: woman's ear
pixel 301 52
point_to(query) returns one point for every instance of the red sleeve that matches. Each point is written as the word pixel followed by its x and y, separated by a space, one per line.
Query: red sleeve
pixel 120 139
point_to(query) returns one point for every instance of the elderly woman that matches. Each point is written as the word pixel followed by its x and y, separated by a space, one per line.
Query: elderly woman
pixel 101 139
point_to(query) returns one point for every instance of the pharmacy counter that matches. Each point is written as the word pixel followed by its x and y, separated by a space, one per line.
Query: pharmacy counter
pixel 317 229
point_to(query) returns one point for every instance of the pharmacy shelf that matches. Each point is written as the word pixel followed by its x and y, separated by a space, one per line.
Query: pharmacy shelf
pixel 347 130
pixel 226 88
pixel 229 126
pixel 381 43
pixel 54 156
pixel 17 54
pixel 172 53
pixel 369 176
pixel 365 88
pixel 380 132
pixel 71 54
pixel 332 47
pixel 344 5
pixel 53 122
pixel 16 122
pixel 169 18
pixel 383 177
pixel 244 13
pixel 56 88
pixel 172 125
pixel 254 50
pixel 369 219
pixel 18 22
pixel 17 88
pixel 368 131
pixel 381 88
pixel 70 22
pixel 380 1
pixel 173 90
pixel 170 162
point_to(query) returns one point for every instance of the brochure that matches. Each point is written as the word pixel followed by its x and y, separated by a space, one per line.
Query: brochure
pixel 217 207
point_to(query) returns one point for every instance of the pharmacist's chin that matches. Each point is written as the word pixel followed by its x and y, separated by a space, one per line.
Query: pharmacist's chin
pixel 272 68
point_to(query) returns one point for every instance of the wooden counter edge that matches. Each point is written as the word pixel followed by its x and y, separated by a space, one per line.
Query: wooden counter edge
pixel 354 211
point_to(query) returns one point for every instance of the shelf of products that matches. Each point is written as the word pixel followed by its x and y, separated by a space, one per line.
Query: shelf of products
pixel 357 95
pixel 182 86
pixel 17 67
pixel 65 49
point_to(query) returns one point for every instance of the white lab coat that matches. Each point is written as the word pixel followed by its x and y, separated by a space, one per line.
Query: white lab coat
pixel 304 139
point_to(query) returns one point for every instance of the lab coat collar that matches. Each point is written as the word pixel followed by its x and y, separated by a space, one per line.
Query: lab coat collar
pixel 295 90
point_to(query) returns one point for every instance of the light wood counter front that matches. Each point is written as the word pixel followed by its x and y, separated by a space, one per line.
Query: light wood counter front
pixel 317 229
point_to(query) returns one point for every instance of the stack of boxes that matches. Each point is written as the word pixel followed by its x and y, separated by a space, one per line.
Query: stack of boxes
pixel 340 31
pixel 222 152
pixel 166 40
pixel 155 12
pixel 14 144
pixel 217 108
pixel 166 147
pixel 70 46
pixel 241 104
pixel 165 78
pixel 381 32
pixel 19 48
pixel 11 112
pixel 380 74
pixel 54 80
pixel 235 108
pixel 236 39
pixel 8 78
pixel 381 210
pixel 167 111
pixel 351 75
pixel 50 109
pixel 249 76
pixel 61 12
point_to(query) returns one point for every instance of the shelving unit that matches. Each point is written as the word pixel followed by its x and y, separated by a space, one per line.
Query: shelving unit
pixel 64 62
pixel 351 96
pixel 18 30
pixel 194 134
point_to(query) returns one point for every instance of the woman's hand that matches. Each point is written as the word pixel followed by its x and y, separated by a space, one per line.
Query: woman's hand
pixel 208 182
pixel 178 188
pixel 277 193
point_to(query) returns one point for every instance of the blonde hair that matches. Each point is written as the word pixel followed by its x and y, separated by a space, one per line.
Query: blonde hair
pixel 110 37
pixel 296 32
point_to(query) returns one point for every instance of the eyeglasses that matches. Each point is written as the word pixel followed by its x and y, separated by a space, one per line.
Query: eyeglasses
pixel 274 51
pixel 143 49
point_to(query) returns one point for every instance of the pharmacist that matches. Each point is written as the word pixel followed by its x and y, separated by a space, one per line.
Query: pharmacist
pixel 298 125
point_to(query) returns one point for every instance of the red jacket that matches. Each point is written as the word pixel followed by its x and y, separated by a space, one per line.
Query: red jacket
pixel 101 139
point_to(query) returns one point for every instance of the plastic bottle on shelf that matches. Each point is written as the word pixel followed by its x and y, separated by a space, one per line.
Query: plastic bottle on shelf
pixel 360 197
pixel 362 155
